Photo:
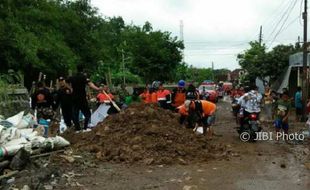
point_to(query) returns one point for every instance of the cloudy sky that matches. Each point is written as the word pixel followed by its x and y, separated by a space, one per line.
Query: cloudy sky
pixel 214 31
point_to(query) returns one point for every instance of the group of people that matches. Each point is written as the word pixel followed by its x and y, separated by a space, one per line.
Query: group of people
pixel 71 96
pixel 276 106
pixel 194 110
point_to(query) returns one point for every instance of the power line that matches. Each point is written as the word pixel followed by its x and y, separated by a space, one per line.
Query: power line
pixel 286 18
pixel 281 19
pixel 273 17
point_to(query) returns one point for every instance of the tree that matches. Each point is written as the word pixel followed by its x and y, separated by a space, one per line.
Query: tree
pixel 53 36
pixel 253 60
pixel 259 63
pixel 199 74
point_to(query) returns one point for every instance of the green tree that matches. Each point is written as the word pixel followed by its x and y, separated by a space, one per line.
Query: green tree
pixel 259 63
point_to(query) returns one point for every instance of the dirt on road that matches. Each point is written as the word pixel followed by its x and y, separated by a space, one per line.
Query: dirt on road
pixel 261 165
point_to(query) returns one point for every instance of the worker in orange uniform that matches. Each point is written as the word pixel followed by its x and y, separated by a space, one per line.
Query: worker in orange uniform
pixel 105 98
pixel 145 96
pixel 163 97
pixel 199 113
pixel 178 95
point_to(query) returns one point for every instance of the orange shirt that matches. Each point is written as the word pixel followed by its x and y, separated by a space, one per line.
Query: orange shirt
pixel 103 98
pixel 146 97
pixel 161 94
pixel 208 107
pixel 153 97
pixel 179 98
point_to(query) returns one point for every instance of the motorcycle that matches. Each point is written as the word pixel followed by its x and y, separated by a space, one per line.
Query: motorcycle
pixel 250 128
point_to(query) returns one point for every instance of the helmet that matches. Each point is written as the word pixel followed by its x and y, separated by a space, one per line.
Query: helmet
pixel 156 84
pixel 181 83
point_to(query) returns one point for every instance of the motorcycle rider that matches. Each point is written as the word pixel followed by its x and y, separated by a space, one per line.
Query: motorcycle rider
pixel 250 102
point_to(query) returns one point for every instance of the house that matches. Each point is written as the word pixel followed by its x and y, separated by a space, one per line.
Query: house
pixel 292 77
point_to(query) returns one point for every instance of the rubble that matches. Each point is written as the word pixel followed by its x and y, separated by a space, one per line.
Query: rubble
pixel 145 134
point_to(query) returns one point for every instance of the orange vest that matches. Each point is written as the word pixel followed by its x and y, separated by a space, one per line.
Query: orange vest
pixel 208 107
pixel 161 94
pixel 153 97
pixel 146 97
pixel 103 98
pixel 179 98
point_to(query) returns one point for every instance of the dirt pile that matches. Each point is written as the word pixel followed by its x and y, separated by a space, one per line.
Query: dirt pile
pixel 146 134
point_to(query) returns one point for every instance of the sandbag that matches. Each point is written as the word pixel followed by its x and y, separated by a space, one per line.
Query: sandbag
pixel 13 149
pixel 37 142
pixel 27 121
pixel 16 119
pixel 59 142
pixel 6 123
pixel 99 115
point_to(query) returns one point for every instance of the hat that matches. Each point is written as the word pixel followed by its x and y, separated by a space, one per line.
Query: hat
pixel 61 78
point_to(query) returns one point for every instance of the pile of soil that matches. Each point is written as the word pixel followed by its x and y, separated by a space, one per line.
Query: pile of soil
pixel 146 134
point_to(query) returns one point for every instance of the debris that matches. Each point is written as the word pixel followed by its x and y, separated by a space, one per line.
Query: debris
pixel 146 134
pixel 4 164
pixel 20 160
pixel 283 166
pixel 70 159
pixel 26 187
pixel 188 187
pixel 47 154
pixel 306 151
pixel 11 180
pixel 48 187
pixel 10 174
pixel 307 165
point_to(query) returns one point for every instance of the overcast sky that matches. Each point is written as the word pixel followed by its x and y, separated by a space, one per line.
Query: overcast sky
pixel 214 31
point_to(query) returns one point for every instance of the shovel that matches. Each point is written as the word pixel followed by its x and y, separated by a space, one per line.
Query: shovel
pixel 113 103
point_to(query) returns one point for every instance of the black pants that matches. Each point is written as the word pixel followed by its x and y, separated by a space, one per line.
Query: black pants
pixel 66 111
pixel 84 108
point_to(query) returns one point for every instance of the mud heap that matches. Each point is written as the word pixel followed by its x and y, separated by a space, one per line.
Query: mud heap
pixel 146 134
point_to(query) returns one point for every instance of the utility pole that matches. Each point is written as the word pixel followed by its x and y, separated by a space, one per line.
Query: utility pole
pixel 305 60
pixel 182 37
pixel 260 39
pixel 212 70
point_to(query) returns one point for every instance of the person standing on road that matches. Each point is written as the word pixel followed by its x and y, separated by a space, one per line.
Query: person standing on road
pixel 298 104
pixel 268 100
pixel 64 98
pixel 283 106
pixel 79 100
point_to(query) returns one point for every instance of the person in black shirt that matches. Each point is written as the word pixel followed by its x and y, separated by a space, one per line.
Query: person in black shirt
pixel 79 100
pixel 64 98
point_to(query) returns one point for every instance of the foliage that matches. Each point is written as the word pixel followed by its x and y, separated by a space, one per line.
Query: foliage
pixel 220 74
pixel 260 63
pixel 199 74
pixel 53 36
